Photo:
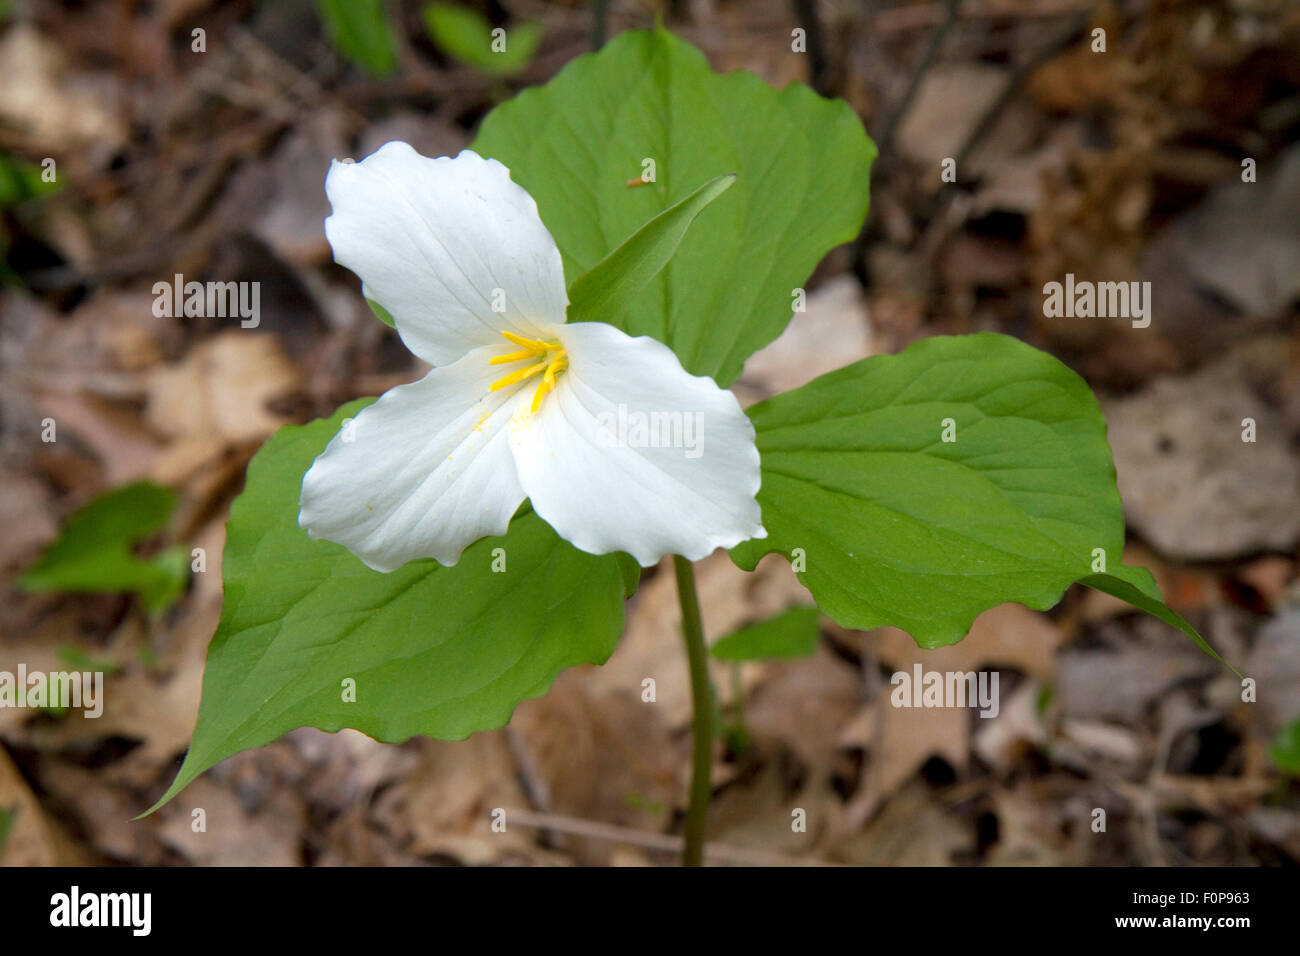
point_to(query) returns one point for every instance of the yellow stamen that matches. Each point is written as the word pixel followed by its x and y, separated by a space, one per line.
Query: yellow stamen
pixel 554 360
pixel 547 384
pixel 513 357
pixel 517 376
pixel 534 344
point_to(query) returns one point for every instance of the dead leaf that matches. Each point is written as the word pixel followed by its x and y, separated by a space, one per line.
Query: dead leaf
pixel 951 100
pixel 1191 486
pixel 911 830
pixel 62 111
pixel 1122 685
pixel 652 646
pixel 34 839
pixel 232 836
pixel 220 391
pixel 1001 740
pixel 899 741
pixel 1009 635
pixel 834 331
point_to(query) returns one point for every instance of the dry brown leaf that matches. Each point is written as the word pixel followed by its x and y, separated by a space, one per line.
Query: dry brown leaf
pixel 34 839
pixel 1190 485
pixel 1000 741
pixel 949 103
pixel 157 708
pixel 605 757
pixel 62 112
pixel 104 811
pixel 1121 685
pixel 899 742
pixel 232 836
pixel 760 815
pixel 911 830
pixel 219 393
pixel 651 646
pixel 124 447
pixel 1029 831
pixel 1009 635
pixel 802 704
pixel 834 331
pixel 26 517
pixel 446 804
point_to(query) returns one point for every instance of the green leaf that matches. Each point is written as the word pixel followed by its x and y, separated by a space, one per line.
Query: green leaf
pixel 802 164
pixel 361 33
pixel 466 35
pixel 94 551
pixel 631 573
pixel 382 314
pixel 7 815
pixel 894 525
pixel 1285 753
pixel 613 284
pixel 1139 588
pixel 792 633
pixel 76 659
pixel 437 651
pixel 20 181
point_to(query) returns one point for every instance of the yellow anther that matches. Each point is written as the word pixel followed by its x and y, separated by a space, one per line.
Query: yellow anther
pixel 547 384
pixel 553 357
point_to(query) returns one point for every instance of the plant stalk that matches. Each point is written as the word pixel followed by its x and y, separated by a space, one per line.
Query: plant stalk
pixel 702 719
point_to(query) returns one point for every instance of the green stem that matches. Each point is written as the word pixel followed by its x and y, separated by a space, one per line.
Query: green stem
pixel 741 726
pixel 702 721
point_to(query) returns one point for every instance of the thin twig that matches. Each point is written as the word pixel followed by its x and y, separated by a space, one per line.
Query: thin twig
pixel 806 13
pixel 657 842
pixel 599 23
pixel 1018 78
pixel 937 38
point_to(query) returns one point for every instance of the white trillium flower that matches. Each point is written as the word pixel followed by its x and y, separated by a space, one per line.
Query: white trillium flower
pixel 519 403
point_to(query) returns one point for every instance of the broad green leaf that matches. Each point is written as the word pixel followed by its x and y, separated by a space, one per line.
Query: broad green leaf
pixel 1285 753
pixel 437 651
pixel 361 33
pixel 580 144
pixel 466 35
pixel 94 550
pixel 892 524
pixel 791 633
pixel 613 284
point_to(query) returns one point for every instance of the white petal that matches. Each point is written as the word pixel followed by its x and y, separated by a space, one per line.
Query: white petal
pixel 597 478
pixel 439 243
pixel 422 473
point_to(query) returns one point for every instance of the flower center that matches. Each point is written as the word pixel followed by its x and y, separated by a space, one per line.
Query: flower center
pixel 547 359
